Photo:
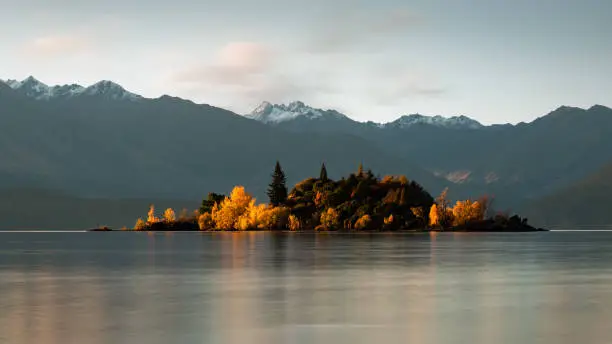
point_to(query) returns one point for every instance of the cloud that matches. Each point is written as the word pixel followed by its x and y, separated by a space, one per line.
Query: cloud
pixel 346 31
pixel 248 73
pixel 235 64
pixel 56 45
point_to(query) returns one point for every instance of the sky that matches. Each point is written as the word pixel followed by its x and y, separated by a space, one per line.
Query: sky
pixel 496 61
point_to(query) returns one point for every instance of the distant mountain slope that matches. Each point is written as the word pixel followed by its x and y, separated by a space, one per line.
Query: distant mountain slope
pixel 585 203
pixel 104 142
pixel 513 162
pixel 45 209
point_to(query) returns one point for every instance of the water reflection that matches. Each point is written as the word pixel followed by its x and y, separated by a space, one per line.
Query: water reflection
pixel 305 288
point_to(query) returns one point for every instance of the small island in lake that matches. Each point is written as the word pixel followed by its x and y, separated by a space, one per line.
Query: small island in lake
pixel 359 202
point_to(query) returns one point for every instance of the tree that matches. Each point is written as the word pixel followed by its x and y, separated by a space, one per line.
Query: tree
pixel 294 223
pixel 140 225
pixel 227 213
pixel 330 219
pixel 151 218
pixel 208 203
pixel 443 214
pixel 169 215
pixel 323 175
pixel 205 222
pixel 277 190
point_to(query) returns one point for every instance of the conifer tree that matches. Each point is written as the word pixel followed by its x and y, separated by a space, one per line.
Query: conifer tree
pixel 323 176
pixel 277 190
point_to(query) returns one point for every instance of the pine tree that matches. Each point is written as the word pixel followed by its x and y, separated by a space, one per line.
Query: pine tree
pixel 323 176
pixel 277 190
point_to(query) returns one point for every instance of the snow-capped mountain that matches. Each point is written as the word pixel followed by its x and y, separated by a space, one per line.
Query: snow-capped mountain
pixel 455 122
pixel 33 88
pixel 283 113
pixel 278 113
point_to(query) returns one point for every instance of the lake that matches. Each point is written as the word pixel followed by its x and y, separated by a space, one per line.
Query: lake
pixel 270 288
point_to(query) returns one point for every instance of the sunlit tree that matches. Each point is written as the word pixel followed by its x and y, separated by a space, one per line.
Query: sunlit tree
pixel 363 222
pixel 294 223
pixel 151 218
pixel 205 222
pixel 169 215
pixel 226 214
pixel 330 219
pixel 140 225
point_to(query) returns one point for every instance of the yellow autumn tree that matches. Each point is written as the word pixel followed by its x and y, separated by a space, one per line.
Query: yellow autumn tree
pixel 294 223
pixel 151 218
pixel 363 222
pixel 274 218
pixel 169 215
pixel 440 214
pixel 227 214
pixel 330 219
pixel 467 211
pixel 434 220
pixel 140 225
pixel 205 222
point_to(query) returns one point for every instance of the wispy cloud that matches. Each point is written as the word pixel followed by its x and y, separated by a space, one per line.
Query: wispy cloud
pixel 237 63
pixel 250 72
pixel 56 45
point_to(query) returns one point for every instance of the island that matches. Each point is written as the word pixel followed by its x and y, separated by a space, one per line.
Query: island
pixel 359 202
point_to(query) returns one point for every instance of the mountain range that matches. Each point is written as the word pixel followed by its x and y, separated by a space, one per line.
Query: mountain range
pixel 104 142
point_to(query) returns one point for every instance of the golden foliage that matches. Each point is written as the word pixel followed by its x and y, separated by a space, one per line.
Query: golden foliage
pixel 228 213
pixel 363 222
pixel 140 225
pixel 330 219
pixel 151 218
pixel 467 211
pixel 389 220
pixel 205 222
pixel 294 223
pixel 169 215
pixel 434 219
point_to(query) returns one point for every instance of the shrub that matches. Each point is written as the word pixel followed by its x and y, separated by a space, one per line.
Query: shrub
pixel 330 219
pixel 205 222
pixel 363 222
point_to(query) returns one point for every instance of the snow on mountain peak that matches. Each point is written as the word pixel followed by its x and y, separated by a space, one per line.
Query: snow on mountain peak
pixel 267 112
pixel 109 89
pixel 33 88
pixel 455 122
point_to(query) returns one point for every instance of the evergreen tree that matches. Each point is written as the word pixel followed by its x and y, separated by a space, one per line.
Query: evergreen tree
pixel 277 190
pixel 323 176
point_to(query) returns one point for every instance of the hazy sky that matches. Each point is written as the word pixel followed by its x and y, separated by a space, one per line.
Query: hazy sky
pixel 493 60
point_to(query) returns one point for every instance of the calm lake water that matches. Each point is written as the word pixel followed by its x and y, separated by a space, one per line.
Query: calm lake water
pixel 304 288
